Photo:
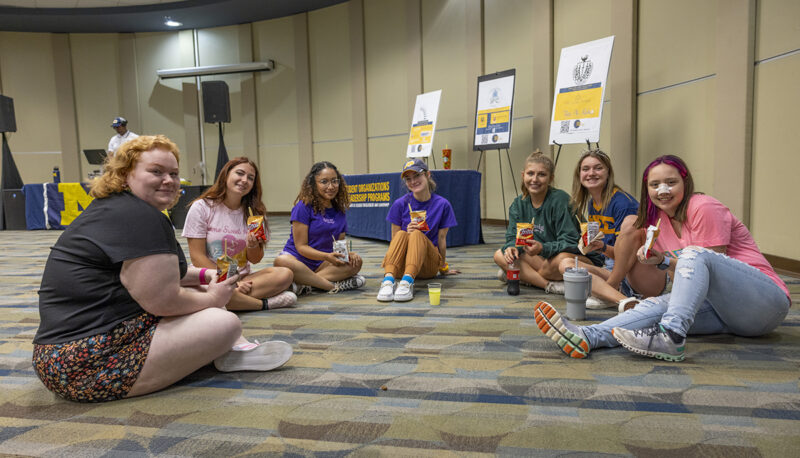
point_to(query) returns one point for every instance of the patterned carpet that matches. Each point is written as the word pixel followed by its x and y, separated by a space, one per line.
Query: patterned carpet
pixel 471 376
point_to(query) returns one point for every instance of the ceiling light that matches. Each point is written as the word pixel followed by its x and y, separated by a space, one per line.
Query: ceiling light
pixel 170 23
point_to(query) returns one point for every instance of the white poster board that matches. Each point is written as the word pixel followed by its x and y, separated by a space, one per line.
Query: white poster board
pixel 579 92
pixel 423 124
pixel 493 110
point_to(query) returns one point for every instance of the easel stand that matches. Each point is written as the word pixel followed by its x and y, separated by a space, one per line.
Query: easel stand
pixel 502 186
pixel 588 146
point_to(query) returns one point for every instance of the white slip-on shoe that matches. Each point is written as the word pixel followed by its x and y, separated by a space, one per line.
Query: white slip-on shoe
pixel 595 303
pixel 386 293
pixel 255 357
pixel 404 291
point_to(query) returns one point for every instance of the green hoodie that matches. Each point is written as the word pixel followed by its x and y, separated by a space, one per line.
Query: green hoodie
pixel 555 226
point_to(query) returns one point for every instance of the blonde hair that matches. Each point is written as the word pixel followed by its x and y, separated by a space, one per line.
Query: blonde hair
pixel 580 196
pixel 538 157
pixel 119 166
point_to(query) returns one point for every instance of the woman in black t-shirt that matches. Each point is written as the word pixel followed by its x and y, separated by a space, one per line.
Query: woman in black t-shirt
pixel 118 316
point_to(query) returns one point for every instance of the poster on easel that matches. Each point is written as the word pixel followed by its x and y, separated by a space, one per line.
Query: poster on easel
pixel 580 88
pixel 493 111
pixel 423 124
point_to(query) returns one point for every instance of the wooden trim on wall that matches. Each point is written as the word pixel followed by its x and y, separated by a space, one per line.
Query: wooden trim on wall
pixel 783 265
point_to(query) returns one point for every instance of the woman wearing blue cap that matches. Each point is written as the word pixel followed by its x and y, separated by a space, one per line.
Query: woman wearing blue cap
pixel 420 221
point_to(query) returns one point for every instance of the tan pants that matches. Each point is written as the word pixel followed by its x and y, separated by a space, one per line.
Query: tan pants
pixel 412 254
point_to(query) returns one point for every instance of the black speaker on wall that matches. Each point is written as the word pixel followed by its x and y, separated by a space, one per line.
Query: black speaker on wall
pixel 216 102
pixel 8 123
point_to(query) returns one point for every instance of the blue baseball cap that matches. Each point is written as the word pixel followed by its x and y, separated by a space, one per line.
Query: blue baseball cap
pixel 416 165
pixel 119 121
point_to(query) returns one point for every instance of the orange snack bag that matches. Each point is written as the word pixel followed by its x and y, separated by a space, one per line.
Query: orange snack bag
pixel 419 217
pixel 255 224
pixel 226 267
pixel 524 234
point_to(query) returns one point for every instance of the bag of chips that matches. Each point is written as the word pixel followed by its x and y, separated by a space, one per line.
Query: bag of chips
pixel 419 217
pixel 226 267
pixel 590 232
pixel 524 234
pixel 340 248
pixel 255 224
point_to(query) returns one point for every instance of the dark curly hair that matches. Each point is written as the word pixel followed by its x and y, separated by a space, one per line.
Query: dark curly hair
pixel 310 196
pixel 250 201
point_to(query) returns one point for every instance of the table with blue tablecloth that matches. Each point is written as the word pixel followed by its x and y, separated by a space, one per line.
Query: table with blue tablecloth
pixel 54 205
pixel 372 194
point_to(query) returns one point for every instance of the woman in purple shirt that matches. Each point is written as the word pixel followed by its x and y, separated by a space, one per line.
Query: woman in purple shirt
pixel 317 220
pixel 418 248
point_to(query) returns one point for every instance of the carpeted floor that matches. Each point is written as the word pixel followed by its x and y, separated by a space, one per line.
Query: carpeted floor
pixel 471 376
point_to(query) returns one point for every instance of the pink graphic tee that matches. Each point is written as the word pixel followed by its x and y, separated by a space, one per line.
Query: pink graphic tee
pixel 710 223
pixel 221 227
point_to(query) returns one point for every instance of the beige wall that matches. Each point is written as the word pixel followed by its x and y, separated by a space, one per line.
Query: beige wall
pixel 346 78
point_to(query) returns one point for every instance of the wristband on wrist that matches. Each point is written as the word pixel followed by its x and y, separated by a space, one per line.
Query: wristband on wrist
pixel 604 247
pixel 445 268
pixel 202 276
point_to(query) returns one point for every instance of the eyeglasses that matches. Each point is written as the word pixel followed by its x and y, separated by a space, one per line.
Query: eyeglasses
pixel 325 182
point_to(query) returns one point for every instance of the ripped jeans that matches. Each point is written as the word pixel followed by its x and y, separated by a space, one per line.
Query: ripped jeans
pixel 711 294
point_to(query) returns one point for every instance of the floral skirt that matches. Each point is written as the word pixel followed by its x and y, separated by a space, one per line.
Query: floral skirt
pixel 97 368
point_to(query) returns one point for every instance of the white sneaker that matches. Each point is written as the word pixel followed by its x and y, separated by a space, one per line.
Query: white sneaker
pixel 502 276
pixel 386 293
pixel 284 299
pixel 255 357
pixel 595 303
pixel 404 291
pixel 555 287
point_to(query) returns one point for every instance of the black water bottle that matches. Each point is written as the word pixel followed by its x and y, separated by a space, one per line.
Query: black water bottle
pixel 56 175
pixel 512 277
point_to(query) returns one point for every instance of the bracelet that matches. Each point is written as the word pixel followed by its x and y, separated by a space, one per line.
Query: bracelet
pixel 203 276
pixel 604 247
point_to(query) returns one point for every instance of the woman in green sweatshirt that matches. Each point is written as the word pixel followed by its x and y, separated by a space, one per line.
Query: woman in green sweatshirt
pixel 555 229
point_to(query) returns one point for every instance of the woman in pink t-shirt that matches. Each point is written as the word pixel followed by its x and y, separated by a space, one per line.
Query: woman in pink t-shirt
pixel 722 282
pixel 216 224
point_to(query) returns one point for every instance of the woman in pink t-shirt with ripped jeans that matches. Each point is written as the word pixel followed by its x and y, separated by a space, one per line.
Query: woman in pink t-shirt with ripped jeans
pixel 722 282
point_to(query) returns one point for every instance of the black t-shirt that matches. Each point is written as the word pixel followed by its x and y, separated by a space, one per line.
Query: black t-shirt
pixel 81 293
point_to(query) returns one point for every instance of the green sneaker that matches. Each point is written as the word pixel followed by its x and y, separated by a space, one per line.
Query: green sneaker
pixel 653 342
pixel 567 336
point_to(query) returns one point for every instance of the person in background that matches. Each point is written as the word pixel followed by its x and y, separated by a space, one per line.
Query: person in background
pixel 120 311
pixel 216 224
pixel 555 231
pixel 120 125
pixel 318 218
pixel 722 282
pixel 417 248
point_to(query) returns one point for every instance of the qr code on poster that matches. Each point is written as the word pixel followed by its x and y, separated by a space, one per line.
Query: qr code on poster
pixel 564 127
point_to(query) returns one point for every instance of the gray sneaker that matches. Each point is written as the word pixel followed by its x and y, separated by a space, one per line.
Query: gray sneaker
pixel 569 337
pixel 653 342
pixel 300 290
pixel 354 282
pixel 555 287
